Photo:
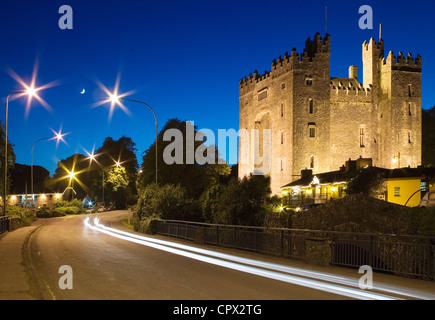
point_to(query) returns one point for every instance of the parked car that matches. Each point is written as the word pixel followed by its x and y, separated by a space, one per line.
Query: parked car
pixel 428 200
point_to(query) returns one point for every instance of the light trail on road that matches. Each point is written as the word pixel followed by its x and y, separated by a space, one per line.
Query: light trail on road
pixel 344 286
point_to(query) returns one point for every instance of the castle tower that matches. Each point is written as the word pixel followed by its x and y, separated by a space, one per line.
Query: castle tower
pixel 400 111
pixel 318 122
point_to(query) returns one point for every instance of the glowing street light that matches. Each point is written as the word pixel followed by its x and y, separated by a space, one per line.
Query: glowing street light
pixel 115 99
pixel 30 92
pixel 58 136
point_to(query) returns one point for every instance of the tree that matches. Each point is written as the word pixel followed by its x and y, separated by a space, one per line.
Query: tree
pixel 243 201
pixel 11 159
pixel 367 181
pixel 116 186
pixel 428 137
pixel 194 177
pixel 20 175
pixel 168 202
pixel 113 153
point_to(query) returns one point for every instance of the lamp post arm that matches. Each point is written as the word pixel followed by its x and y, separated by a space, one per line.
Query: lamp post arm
pixel 5 165
pixel 155 117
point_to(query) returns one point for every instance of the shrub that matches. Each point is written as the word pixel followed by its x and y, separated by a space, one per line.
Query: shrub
pixel 167 202
pixel 25 216
pixel 73 203
pixel 48 213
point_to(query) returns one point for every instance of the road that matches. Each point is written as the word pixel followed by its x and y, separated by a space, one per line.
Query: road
pixel 106 265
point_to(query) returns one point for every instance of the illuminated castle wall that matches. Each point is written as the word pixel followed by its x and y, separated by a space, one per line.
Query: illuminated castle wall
pixel 319 122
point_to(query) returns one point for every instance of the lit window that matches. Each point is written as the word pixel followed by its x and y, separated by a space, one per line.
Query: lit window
pixel 397 191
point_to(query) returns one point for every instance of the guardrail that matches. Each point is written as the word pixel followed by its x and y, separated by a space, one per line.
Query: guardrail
pixel 397 254
pixel 4 224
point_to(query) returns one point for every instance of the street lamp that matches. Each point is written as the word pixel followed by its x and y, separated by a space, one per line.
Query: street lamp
pixel 92 156
pixel 114 98
pixel 58 136
pixel 30 91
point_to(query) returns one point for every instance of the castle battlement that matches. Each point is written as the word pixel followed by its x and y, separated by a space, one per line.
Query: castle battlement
pixel 347 87
pixel 313 48
pixel 401 62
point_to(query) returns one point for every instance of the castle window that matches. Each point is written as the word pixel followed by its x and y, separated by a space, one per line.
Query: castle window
pixel 409 109
pixel 361 137
pixel 283 85
pixel 409 90
pixel 311 106
pixel 262 94
pixel 409 137
pixel 309 82
pixel 282 137
pixel 312 130
pixel 312 162
pixel 282 109
pixel 282 165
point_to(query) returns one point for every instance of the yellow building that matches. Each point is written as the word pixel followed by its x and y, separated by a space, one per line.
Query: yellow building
pixel 406 186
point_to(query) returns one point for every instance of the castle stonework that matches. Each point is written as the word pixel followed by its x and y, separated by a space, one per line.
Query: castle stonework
pixel 318 122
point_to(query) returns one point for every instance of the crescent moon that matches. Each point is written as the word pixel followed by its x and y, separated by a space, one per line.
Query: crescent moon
pixel 83 91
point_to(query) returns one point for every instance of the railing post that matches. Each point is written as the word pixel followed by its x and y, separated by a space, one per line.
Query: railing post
pixel 235 237
pixel 282 242
pixel 217 235
pixel 255 241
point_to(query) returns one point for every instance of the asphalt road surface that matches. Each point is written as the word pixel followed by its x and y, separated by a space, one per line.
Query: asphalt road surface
pixel 80 258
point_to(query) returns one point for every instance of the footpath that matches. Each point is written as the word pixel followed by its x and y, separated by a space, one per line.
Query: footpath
pixel 14 280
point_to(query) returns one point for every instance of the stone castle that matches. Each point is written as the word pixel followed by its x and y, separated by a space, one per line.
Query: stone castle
pixel 318 122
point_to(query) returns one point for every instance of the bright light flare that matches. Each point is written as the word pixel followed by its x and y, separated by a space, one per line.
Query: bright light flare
pixel 114 98
pixel 58 136
pixel 31 91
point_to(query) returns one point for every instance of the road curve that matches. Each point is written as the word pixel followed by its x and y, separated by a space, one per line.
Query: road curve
pixel 106 264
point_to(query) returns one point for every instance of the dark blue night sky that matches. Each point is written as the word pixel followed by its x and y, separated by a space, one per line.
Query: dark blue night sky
pixel 183 58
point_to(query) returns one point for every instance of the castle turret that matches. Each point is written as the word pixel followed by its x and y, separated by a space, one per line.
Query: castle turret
pixel 372 54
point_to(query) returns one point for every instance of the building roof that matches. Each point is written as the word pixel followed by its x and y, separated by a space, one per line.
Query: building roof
pixel 324 178
pixel 426 173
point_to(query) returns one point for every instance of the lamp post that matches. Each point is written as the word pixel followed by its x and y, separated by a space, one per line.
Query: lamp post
pixel 58 136
pixel 115 99
pixel 30 91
